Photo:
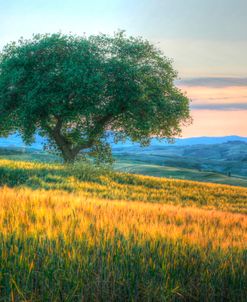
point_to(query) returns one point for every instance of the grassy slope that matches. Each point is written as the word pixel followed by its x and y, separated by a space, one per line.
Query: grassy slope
pixel 95 182
pixel 88 234
pixel 207 163
pixel 141 167
pixel 146 164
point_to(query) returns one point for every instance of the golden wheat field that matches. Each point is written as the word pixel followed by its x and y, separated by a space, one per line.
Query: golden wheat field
pixel 82 233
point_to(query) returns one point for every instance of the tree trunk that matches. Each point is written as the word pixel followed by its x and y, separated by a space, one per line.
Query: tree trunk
pixel 68 153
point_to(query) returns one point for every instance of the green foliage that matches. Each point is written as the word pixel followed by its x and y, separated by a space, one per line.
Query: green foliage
pixel 73 89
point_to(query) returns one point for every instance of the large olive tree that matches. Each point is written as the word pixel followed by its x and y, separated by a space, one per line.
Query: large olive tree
pixel 73 89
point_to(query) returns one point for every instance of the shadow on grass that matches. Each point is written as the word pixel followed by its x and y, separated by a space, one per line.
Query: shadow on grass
pixel 65 177
pixel 33 178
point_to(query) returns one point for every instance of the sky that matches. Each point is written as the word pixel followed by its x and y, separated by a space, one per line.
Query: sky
pixel 207 40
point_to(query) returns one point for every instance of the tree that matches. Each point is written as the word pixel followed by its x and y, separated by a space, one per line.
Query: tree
pixel 74 89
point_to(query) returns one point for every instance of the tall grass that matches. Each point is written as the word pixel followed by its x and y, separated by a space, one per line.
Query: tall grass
pixel 101 182
pixel 68 234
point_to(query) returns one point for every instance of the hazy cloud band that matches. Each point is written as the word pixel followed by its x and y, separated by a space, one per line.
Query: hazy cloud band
pixel 224 107
pixel 213 82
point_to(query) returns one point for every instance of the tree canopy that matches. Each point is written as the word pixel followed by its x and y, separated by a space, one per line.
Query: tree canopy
pixel 74 89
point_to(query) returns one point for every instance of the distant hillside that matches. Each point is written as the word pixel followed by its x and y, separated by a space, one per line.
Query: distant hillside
pixel 188 162
pixel 193 158
pixel 16 141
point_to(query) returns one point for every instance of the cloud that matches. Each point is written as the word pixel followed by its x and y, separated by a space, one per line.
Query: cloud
pixel 222 107
pixel 213 82
pixel 214 94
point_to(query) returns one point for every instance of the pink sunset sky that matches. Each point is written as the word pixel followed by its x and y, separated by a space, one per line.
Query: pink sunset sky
pixel 217 111
pixel 207 40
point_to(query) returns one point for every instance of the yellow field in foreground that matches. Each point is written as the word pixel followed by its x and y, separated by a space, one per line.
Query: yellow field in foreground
pixel 92 182
pixel 79 233
pixel 54 213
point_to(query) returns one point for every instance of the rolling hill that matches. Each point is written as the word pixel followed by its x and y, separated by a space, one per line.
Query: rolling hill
pixel 222 163
pixel 84 233
pixel 219 160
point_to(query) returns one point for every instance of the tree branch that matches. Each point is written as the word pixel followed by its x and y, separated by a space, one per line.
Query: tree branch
pixel 101 123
